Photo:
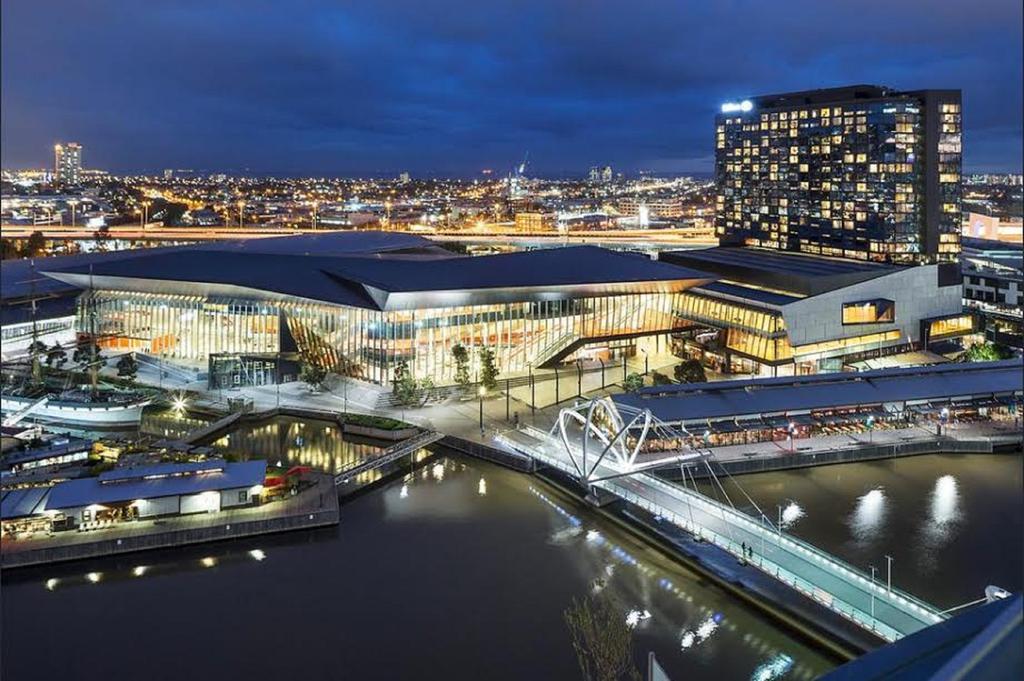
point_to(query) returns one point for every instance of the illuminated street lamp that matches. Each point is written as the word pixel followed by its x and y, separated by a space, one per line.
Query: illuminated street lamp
pixel 870 423
pixel 943 418
pixel 73 204
pixel 873 569
pixel 481 391
pixel 792 436
pixel 241 208
pixel 145 213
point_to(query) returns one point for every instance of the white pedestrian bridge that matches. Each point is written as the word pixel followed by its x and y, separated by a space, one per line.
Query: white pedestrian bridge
pixel 614 448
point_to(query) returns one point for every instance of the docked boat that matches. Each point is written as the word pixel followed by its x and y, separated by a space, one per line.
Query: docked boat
pixel 76 409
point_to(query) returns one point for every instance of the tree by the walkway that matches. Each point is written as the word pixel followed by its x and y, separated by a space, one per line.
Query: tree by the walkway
pixel 461 356
pixel 690 371
pixel 601 639
pixel 633 382
pixel 488 369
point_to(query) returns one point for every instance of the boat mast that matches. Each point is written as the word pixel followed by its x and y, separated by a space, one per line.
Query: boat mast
pixel 33 349
pixel 93 360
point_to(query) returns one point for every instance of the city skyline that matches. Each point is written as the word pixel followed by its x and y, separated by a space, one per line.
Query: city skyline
pixel 267 92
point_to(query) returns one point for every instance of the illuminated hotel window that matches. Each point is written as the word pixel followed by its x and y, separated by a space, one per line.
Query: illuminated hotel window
pixel 879 311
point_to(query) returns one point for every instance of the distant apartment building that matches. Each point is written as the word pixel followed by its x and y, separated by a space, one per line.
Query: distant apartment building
pixel 532 221
pixel 861 172
pixel 601 174
pixel 67 163
pixel 662 206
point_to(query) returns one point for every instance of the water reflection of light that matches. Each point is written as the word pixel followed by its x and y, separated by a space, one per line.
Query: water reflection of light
pixel 208 561
pixel 437 471
pixel 774 668
pixel 635 617
pixel 404 492
pixel 945 500
pixel 945 512
pixel 703 632
pixel 139 570
pixel 94 577
pixel 869 515
pixel 792 513
pixel 258 554
pixel 52 583
pixel 481 488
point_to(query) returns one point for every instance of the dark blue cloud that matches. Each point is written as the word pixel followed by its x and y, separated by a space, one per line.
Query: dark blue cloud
pixel 454 86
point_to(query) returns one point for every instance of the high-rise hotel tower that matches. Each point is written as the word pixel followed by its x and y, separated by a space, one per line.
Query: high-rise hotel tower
pixel 861 172
pixel 67 163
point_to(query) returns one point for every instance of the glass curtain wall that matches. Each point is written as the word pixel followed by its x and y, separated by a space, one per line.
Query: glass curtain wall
pixel 184 328
pixel 368 344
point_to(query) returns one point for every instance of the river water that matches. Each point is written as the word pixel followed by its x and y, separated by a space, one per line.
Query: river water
pixel 460 570
pixel 463 570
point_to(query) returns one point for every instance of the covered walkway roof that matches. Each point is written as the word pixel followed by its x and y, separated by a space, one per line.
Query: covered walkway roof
pixel 724 399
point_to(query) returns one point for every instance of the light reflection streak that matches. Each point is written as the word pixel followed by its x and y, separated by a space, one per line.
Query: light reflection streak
pixel 774 668
pixel 792 513
pixel 869 515
pixel 943 519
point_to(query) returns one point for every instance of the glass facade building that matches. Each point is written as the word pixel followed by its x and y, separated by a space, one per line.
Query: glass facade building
pixel 251 314
pixel 369 344
pixel 860 172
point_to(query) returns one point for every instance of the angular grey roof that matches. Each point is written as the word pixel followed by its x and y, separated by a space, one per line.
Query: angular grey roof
pixel 696 401
pixel 799 273
pixel 373 267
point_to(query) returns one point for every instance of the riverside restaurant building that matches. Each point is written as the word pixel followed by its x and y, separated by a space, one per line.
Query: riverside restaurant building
pixel 788 408
pixel 362 303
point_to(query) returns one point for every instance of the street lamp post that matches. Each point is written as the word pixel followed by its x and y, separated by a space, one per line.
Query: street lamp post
pixel 888 573
pixel 872 591
pixel 579 378
pixel 780 520
pixel 792 437
pixel 647 361
pixel 241 209
pixel 481 391
pixel 73 205
pixel 533 391
pixel 871 427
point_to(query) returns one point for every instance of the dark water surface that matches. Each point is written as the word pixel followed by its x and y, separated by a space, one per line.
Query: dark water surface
pixel 460 570
pixel 953 523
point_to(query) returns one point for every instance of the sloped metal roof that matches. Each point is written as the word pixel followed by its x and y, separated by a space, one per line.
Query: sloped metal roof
pixel 687 402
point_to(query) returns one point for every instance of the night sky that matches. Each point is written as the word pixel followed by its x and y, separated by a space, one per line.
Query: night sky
pixel 451 87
